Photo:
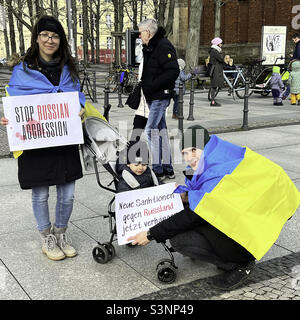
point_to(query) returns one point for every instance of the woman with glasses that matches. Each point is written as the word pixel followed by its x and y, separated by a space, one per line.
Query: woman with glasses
pixel 48 67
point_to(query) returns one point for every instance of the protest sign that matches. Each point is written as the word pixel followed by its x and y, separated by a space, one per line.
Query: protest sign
pixel 139 210
pixel 43 120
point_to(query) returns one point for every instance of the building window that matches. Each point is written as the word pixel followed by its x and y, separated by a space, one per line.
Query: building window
pixel 81 40
pixel 108 42
pixel 80 20
pixel 108 21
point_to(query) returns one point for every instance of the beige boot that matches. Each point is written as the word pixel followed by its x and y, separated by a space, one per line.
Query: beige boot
pixel 50 248
pixel 64 242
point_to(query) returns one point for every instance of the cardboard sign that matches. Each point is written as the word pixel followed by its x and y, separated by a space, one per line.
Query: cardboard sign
pixel 139 210
pixel 43 120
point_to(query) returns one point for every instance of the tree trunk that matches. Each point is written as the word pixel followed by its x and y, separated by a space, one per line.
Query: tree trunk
pixel 20 29
pixel 193 40
pixel 161 13
pixel 217 18
pixel 97 32
pixel 91 37
pixel 118 24
pixel 11 27
pixel 74 12
pixel 3 15
pixel 85 32
pixel 169 24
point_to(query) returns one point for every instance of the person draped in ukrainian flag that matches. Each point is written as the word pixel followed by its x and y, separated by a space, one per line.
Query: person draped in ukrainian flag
pixel 236 203
pixel 48 67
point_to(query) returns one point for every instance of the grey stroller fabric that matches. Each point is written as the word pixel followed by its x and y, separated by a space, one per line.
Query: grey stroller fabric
pixel 101 140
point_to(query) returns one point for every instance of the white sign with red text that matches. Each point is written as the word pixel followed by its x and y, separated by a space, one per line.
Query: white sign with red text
pixel 139 210
pixel 43 120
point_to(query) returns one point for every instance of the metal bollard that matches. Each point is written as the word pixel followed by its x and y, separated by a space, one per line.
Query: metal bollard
pixel 246 110
pixel 191 107
pixel 120 104
pixel 107 106
pixel 180 108
pixel 94 87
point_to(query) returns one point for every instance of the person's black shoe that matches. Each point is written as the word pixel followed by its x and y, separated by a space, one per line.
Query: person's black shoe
pixel 215 104
pixel 231 279
pixel 160 176
pixel 170 175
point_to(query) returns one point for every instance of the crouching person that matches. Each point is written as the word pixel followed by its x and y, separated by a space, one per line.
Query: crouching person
pixel 225 202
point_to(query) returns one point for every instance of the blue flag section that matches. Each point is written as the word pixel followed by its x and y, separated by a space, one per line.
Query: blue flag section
pixel 21 83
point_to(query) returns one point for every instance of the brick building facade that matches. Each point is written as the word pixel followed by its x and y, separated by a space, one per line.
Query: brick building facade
pixel 241 23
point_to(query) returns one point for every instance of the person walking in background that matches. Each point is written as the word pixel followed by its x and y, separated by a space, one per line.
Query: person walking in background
pixel 216 76
pixel 295 56
pixel 160 70
pixel 277 86
pixel 182 78
pixel 294 82
pixel 48 67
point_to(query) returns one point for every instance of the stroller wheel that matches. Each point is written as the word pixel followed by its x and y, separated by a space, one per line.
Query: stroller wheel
pixel 110 249
pixel 166 271
pixel 100 254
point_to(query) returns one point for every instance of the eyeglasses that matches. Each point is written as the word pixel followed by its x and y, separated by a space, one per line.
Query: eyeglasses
pixel 45 37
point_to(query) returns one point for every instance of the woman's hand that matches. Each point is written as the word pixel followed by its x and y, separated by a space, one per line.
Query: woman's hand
pixel 81 113
pixel 4 121
pixel 139 239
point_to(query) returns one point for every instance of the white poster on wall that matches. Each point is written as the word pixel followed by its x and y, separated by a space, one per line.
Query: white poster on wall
pixel 43 120
pixel 273 44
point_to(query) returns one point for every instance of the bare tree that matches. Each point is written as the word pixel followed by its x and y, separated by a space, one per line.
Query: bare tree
pixel 5 29
pixel 193 39
pixel 11 26
pixel 20 28
pixel 218 4
pixel 85 30
pixel 118 24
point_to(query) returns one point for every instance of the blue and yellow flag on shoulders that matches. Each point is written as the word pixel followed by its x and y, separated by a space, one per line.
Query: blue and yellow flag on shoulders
pixel 243 194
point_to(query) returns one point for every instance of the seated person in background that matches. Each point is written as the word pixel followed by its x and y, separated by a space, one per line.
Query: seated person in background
pixel 229 65
pixel 132 168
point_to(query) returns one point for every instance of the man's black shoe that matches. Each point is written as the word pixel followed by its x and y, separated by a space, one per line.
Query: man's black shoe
pixel 170 175
pixel 231 279
pixel 160 176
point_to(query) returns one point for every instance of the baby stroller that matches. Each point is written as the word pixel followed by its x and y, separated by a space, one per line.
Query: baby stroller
pixel 102 144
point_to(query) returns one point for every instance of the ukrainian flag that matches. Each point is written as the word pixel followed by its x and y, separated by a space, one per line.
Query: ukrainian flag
pixel 243 194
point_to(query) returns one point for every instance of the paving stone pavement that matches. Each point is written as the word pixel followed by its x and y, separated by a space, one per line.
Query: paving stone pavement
pixel 274 279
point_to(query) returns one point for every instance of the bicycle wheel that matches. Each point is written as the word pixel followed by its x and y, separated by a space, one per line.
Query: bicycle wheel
pixel 87 89
pixel 110 81
pixel 130 83
pixel 209 93
pixel 239 88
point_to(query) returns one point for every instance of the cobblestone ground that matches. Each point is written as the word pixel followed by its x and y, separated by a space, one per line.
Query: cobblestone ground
pixel 4 150
pixel 276 279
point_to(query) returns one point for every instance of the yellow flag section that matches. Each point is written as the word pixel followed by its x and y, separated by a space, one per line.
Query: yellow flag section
pixel 251 204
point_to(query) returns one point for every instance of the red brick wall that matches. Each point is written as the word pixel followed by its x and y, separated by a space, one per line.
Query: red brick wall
pixel 241 21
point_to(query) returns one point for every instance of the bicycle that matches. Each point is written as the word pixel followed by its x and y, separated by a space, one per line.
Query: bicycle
pixel 236 84
pixel 85 85
pixel 121 79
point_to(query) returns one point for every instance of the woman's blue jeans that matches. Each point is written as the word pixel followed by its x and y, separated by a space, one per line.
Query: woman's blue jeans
pixel 64 205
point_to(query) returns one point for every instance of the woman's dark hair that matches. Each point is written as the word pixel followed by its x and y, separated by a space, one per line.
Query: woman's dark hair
pixel 64 51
